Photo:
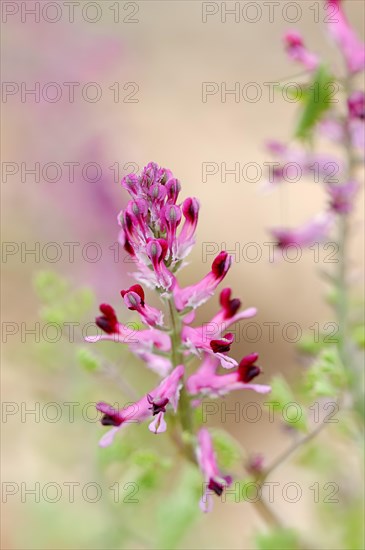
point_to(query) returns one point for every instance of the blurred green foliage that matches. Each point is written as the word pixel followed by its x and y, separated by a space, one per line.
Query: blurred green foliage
pixel 284 400
pixel 179 509
pixel 316 100
pixel 278 539
pixel 326 376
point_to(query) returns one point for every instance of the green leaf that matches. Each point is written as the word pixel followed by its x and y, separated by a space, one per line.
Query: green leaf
pixel 353 523
pixel 227 449
pixel 53 314
pixel 358 335
pixel 316 456
pixel 278 539
pixel 326 376
pixel 309 346
pixel 179 509
pixel 248 489
pixel 283 400
pixel 151 466
pixel 87 359
pixel 281 393
pixel 120 451
pixel 317 101
pixel 50 286
pixel 60 303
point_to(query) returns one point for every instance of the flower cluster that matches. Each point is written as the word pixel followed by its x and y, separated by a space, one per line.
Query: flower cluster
pixel 158 232
pixel 342 128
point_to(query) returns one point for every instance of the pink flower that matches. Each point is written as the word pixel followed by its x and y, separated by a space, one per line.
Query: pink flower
pixel 195 295
pixel 255 464
pixel 151 405
pixel 206 380
pixel 337 131
pixel 108 321
pixel 342 196
pixel 331 129
pixel 195 340
pixel 159 364
pixel 135 301
pixel 154 215
pixel 352 48
pixel 356 122
pixel 116 331
pixel 146 344
pixel 170 218
pixel 151 234
pixel 229 314
pixel 315 230
pixel 298 52
pixel 296 164
pixel 186 239
pixel 215 482
pixel 209 337
pixel 356 105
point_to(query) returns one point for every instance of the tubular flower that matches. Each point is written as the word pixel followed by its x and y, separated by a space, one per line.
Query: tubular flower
pixel 293 162
pixel 339 28
pixel 342 196
pixel 158 232
pixel 315 230
pixel 356 119
pixel 196 295
pixel 229 313
pixel 206 380
pixel 135 301
pixel 151 405
pixel 186 239
pixel 298 52
pixel 215 482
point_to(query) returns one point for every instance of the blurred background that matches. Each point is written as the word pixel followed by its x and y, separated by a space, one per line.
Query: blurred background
pixel 116 85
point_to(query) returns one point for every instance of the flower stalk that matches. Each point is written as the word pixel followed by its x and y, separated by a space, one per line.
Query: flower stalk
pixel 152 236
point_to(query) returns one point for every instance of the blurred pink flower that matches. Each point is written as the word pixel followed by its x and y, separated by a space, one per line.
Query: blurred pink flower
pixel 342 196
pixel 298 52
pixel 315 230
pixel 339 28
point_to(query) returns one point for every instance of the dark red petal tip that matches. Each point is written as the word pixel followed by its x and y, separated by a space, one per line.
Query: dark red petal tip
pixel 247 371
pixel 221 264
pixel 108 322
pixel 249 359
pixel 216 487
pixel 111 417
pixel 134 288
pixel 158 405
pixel 223 344
pixel 190 209
pixel 230 306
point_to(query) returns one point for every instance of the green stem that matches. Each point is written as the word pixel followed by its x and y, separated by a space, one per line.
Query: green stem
pixel 342 304
pixel 289 451
pixel 343 345
pixel 184 413
pixel 342 293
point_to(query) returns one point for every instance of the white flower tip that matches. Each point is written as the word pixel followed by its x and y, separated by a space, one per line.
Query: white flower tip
pixel 158 425
pixel 92 339
pixel 250 312
pixel 108 438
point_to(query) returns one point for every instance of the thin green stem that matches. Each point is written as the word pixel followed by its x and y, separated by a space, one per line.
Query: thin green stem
pixel 342 293
pixel 342 302
pixel 289 451
pixel 342 314
pixel 184 413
